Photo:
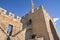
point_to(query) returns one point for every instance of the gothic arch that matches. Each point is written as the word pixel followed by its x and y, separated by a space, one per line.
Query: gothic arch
pixel 53 30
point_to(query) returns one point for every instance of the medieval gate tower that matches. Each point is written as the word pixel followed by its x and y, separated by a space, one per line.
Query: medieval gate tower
pixel 36 25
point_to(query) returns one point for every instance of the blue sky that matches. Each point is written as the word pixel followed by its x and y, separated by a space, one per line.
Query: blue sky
pixel 22 7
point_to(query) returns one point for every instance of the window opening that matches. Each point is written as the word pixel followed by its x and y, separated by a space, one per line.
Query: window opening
pixel 10 27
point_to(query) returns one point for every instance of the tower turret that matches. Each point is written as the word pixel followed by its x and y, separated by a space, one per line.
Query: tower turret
pixel 32 6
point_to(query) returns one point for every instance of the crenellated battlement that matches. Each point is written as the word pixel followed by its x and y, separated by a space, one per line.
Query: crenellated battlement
pixel 38 23
pixel 10 15
pixel 2 11
pixel 6 20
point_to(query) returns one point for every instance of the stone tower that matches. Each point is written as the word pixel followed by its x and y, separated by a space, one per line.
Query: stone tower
pixel 40 25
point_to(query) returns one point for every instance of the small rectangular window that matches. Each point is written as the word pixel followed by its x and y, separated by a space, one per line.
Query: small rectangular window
pixel 10 27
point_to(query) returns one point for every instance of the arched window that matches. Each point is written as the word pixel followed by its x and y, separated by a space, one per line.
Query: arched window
pixel 53 31
pixel 10 27
pixel 30 22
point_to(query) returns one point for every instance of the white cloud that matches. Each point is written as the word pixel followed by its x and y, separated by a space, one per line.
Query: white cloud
pixel 55 19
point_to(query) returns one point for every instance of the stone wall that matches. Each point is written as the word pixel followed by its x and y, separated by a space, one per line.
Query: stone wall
pixel 38 24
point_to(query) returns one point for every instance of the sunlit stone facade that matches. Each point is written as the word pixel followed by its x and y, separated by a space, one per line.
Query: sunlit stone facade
pixel 33 26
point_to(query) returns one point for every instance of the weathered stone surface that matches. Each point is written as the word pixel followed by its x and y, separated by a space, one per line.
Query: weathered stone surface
pixel 42 24
pixel 38 24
